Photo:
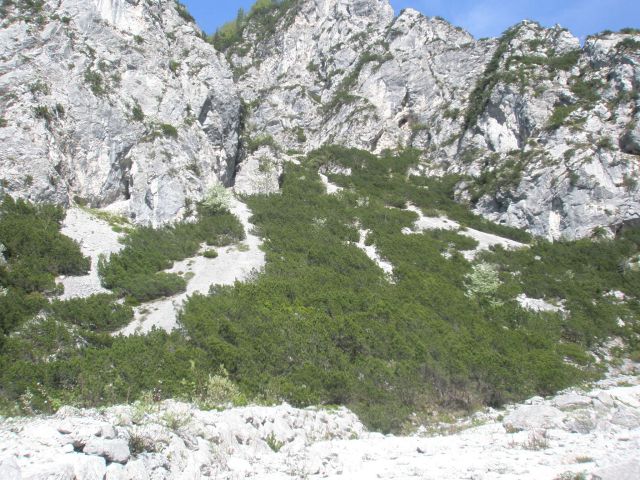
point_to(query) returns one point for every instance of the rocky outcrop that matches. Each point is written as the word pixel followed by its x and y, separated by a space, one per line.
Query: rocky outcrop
pixel 113 102
pixel 546 129
pixel 122 103
pixel 593 433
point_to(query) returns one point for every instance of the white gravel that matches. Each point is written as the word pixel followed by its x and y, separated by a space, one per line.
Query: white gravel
pixel 96 237
pixel 234 263
pixel 372 253
pixel 485 240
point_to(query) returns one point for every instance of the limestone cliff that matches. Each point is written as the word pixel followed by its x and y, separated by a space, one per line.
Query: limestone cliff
pixel 113 102
pixel 122 102
pixel 546 127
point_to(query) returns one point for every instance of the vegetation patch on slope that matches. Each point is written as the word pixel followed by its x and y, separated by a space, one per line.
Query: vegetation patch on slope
pixel 136 271
pixel 322 325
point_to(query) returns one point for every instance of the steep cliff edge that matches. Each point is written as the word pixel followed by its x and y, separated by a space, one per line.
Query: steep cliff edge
pixel 113 102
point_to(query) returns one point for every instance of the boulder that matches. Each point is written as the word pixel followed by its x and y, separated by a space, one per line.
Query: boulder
pixel 50 471
pixel 534 417
pixel 570 401
pixel 9 469
pixel 622 471
pixel 115 471
pixel 89 467
pixel 626 418
pixel 116 450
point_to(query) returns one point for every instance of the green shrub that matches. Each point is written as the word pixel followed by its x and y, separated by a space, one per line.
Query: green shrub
pixel 95 81
pixel 174 66
pixel 168 130
pixel 265 140
pixel 184 13
pixel 210 254
pixel 480 95
pixel 629 45
pixel 98 313
pixel 559 116
pixel 137 113
pixel 42 112
pixel 322 324
pixel 219 391
pixel 216 200
pixel 136 271
pixel 261 19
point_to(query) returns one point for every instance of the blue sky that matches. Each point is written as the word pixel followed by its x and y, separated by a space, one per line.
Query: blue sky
pixel 483 18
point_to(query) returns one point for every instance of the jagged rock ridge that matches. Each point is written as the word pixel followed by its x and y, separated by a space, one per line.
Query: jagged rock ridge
pixel 546 129
pixel 113 102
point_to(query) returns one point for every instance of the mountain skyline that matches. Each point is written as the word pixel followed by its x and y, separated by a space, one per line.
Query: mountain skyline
pixel 484 18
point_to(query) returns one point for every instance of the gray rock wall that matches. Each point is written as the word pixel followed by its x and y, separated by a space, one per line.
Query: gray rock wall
pixel 122 103
pixel 546 127
pixel 114 102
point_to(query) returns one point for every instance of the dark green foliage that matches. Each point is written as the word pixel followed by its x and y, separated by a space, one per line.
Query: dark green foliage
pixel 136 271
pixel 261 19
pixel 184 13
pixel 494 73
pixel 98 313
pixel 587 93
pixel 16 307
pixel 210 254
pixel 586 90
pixel 342 95
pixel 3 122
pixel 629 45
pixel 255 143
pixel 504 178
pixel 95 81
pixel 30 11
pixel 137 113
pixel 322 324
pixel 559 115
pixel 168 130
pixel 490 78
pixel 554 63
pixel 36 252
pixel 106 370
pixel 42 112
pixel 300 135
pixel 174 66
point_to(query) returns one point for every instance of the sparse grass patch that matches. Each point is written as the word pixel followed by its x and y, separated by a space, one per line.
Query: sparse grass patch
pixel 274 443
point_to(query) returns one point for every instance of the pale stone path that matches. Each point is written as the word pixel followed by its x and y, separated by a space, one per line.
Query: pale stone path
pixel 233 263
pixel 372 253
pixel 485 240
pixel 96 237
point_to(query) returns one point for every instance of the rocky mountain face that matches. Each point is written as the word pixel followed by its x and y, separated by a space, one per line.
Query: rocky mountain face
pixel 114 101
pixel 547 129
